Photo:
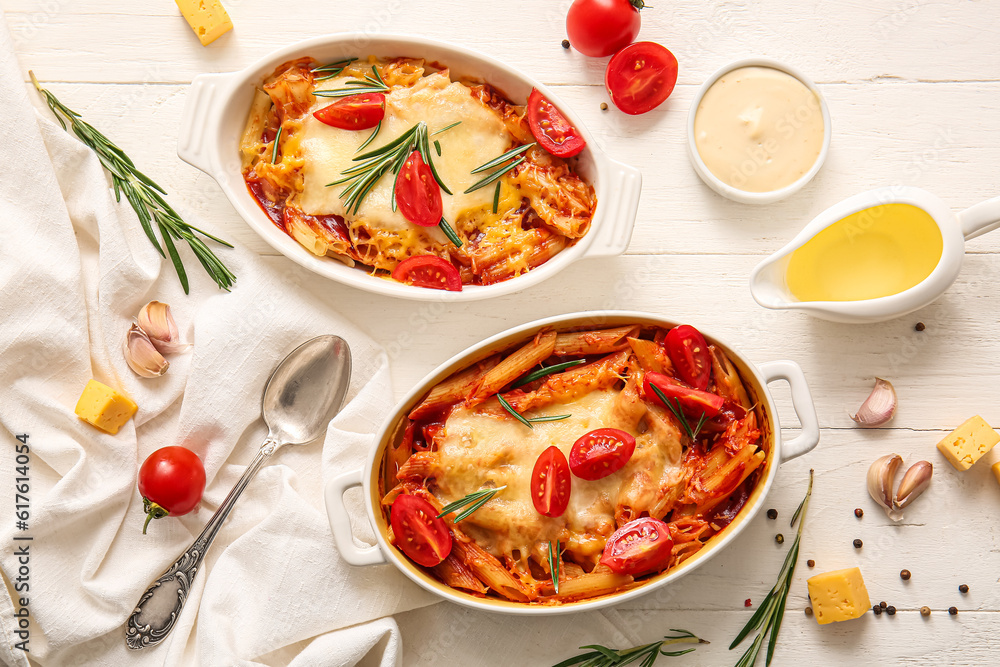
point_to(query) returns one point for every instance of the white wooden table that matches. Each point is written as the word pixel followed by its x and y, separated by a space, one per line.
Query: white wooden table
pixel 914 92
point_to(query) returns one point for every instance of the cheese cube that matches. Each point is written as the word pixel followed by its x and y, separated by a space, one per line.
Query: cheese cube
pixel 838 596
pixel 208 19
pixel 104 407
pixel 968 443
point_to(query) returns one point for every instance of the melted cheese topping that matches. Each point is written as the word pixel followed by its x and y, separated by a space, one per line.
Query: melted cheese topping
pixel 435 100
pixel 483 450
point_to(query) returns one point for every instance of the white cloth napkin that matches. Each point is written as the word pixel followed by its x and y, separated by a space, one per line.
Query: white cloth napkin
pixel 75 268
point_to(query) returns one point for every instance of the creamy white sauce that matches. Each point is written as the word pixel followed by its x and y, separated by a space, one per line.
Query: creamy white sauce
pixel 435 100
pixel 759 129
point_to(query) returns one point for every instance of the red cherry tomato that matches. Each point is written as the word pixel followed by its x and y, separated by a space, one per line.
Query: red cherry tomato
pixel 551 129
pixel 550 483
pixel 429 271
pixel 599 28
pixel 357 112
pixel 689 352
pixel 171 482
pixel 422 536
pixel 418 193
pixel 640 77
pixel 601 453
pixel 638 547
pixel 693 401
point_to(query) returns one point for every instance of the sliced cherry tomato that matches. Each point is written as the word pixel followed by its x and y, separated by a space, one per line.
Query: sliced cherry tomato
pixel 357 112
pixel 599 28
pixel 640 77
pixel 551 129
pixel 639 547
pixel 171 481
pixel 601 453
pixel 693 401
pixel 417 193
pixel 418 532
pixel 689 352
pixel 550 483
pixel 429 271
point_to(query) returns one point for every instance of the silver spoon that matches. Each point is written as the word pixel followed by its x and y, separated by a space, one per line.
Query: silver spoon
pixel 305 391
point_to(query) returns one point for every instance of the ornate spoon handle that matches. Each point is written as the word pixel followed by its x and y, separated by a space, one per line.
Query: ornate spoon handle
pixel 160 606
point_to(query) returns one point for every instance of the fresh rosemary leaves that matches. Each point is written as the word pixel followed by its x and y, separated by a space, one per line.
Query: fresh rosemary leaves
pixel 145 197
pixel 546 370
pixel 772 610
pixel 333 69
pixel 554 565
pixel 369 84
pixel 647 654
pixel 502 168
pixel 530 423
pixel 675 407
pixel 472 502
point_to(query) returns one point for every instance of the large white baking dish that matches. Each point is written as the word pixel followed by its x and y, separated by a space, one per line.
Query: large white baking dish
pixel 218 104
pixel 756 379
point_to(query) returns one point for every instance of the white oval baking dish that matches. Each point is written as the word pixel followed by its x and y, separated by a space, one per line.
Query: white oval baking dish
pixel 756 379
pixel 215 114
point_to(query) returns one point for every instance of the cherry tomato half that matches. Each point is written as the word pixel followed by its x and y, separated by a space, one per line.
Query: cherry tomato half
pixel 357 112
pixel 171 482
pixel 422 536
pixel 550 483
pixel 693 401
pixel 640 77
pixel 689 352
pixel 599 28
pixel 600 453
pixel 551 129
pixel 418 193
pixel 638 547
pixel 429 271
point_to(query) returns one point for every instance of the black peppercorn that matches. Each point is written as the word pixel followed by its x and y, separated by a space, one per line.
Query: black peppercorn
pixel 811 563
pixel 859 512
pixel 565 43
pixel 772 514
pixel 604 106
pixel 882 604
pixel 963 588
pixel 925 611
pixel 809 611
pixel 858 544
pixel 891 611
pixel 920 326
pixel 877 609
pixel 905 575
pixel 953 610
pixel 779 538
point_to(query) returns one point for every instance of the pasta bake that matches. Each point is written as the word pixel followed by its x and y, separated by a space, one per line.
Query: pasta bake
pixel 393 167
pixel 574 465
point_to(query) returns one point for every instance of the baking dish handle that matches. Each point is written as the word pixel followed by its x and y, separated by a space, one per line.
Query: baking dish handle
pixel 802 402
pixel 194 136
pixel 620 205
pixel 340 521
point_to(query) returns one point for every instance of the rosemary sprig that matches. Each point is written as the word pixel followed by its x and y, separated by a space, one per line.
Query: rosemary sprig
pixel 274 150
pixel 679 413
pixel 497 161
pixel 546 370
pixel 449 231
pixel 370 138
pixel 496 198
pixel 145 197
pixel 602 656
pixel 549 418
pixel 554 565
pixel 495 176
pixel 771 612
pixel 472 502
pixel 333 69
pixel 357 86
pixel 500 172
pixel 446 128
pixel 529 422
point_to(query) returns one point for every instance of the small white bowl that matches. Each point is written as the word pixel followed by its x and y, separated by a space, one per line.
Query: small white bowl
pixel 743 196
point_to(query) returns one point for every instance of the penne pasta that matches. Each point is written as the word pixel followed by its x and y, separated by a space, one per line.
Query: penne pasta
pixel 575 382
pixel 489 570
pixel 454 389
pixel 513 367
pixel 651 356
pixel 593 584
pixel 454 572
pixel 420 465
pixel 727 380
pixel 584 343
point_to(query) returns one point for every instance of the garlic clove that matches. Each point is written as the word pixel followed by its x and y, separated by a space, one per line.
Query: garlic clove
pixel 157 322
pixel 914 481
pixel 881 474
pixel 879 407
pixel 141 355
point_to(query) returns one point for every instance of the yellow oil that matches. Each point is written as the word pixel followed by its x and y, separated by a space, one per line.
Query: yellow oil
pixel 876 252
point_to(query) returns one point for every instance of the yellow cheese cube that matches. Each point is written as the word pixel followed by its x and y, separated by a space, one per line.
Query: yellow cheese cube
pixel 968 443
pixel 208 19
pixel 996 471
pixel 838 596
pixel 104 407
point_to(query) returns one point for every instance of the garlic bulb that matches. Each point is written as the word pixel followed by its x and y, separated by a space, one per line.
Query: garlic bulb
pixel 880 479
pixel 155 319
pixel 914 481
pixel 141 355
pixel 879 407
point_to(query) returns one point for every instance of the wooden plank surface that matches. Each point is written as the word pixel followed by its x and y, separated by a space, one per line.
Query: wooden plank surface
pixel 914 92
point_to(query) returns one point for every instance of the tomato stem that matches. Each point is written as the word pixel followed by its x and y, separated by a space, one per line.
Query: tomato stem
pixel 638 4
pixel 153 511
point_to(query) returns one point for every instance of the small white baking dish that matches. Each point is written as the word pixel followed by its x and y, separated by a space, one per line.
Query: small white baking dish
pixel 218 104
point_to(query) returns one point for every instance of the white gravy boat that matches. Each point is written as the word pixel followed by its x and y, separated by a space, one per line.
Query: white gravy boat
pixel 769 287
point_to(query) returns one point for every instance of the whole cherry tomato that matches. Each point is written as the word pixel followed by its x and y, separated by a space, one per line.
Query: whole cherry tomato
pixel 599 28
pixel 171 482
